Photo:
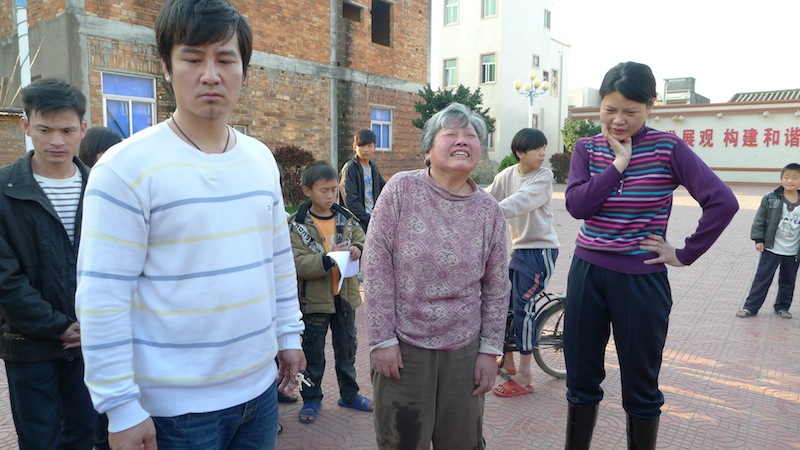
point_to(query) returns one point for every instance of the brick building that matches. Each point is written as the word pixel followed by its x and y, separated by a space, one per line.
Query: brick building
pixel 10 133
pixel 320 69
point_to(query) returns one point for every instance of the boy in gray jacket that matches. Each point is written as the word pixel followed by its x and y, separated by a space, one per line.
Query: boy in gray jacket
pixel 776 231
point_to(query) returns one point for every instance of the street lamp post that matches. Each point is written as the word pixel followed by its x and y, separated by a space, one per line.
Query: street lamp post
pixel 531 89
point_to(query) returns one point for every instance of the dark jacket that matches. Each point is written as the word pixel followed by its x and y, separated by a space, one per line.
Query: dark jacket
pixel 314 278
pixel 352 192
pixel 768 217
pixel 37 268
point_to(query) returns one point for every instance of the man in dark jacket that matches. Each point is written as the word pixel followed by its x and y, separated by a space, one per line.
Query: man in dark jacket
pixel 40 198
pixel 360 181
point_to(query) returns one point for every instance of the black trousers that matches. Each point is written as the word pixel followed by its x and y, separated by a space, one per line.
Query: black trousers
pixel 345 344
pixel 768 263
pixel 636 308
pixel 51 405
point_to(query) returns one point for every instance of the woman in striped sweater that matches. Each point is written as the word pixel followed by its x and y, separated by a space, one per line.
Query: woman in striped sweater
pixel 621 184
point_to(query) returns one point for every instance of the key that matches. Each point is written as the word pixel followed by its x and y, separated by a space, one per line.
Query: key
pixel 301 380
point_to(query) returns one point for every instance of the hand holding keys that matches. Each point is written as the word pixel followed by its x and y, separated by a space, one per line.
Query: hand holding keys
pixel 301 380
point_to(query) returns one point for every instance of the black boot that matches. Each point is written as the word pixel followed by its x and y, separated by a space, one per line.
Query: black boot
pixel 642 433
pixel 580 426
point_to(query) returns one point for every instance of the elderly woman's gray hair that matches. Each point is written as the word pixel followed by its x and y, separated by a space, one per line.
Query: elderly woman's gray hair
pixel 455 115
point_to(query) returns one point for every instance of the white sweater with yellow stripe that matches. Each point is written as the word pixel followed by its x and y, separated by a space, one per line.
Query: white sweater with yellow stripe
pixel 186 281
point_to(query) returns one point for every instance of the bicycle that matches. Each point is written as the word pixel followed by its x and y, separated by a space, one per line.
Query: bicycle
pixel 548 351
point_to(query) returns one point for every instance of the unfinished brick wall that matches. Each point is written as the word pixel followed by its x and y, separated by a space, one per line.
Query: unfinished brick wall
pixel 281 107
pixel 43 10
pixel 405 152
pixel 8 17
pixel 11 137
pixel 137 12
pixel 405 58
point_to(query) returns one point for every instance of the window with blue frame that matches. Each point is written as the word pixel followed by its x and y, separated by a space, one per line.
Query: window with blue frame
pixel 129 103
pixel 381 122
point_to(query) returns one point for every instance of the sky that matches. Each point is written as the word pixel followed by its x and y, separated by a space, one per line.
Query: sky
pixel 728 47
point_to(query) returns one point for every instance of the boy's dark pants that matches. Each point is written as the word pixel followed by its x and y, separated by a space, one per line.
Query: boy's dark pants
pixel 345 342
pixel 637 307
pixel 765 271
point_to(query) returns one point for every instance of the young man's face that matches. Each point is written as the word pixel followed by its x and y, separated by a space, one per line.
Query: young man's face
pixel 207 79
pixel 532 159
pixel 56 138
pixel 790 180
pixel 365 151
pixel 322 195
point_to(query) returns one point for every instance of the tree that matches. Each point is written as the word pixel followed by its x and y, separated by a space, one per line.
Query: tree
pixel 508 161
pixel 292 160
pixel 576 129
pixel 438 100
pixel 559 162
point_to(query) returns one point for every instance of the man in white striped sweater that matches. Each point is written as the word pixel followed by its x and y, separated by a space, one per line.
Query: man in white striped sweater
pixel 187 288
pixel 40 214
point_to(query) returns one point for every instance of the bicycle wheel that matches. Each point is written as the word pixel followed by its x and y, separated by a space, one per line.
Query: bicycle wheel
pixel 549 349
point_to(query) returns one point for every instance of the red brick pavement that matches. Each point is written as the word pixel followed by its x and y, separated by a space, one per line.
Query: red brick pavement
pixel 729 383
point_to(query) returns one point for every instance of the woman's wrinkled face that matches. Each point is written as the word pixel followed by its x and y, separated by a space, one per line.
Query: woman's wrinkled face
pixel 456 150
pixel 622 117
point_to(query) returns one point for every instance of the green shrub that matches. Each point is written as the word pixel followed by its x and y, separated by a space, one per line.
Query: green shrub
pixel 560 165
pixel 508 161
pixel 292 160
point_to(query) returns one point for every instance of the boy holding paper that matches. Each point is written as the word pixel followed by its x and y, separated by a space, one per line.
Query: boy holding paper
pixel 321 231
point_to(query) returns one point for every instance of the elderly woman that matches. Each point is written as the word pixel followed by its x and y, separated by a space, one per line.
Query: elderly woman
pixel 436 292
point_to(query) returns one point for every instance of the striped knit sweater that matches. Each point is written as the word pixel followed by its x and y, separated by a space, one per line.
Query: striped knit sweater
pixel 186 281
pixel 619 210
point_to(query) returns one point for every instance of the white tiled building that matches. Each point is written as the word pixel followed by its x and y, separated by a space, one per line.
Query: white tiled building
pixel 488 44
pixel 747 140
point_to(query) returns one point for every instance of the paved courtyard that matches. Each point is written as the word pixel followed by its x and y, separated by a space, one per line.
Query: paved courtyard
pixel 729 383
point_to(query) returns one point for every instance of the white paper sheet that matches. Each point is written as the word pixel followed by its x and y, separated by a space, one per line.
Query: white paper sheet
pixel 346 267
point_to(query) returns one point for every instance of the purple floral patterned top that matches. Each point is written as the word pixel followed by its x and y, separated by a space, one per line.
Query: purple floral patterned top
pixel 435 267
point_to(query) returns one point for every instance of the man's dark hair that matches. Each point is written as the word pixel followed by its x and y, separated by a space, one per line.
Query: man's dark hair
pixel 198 22
pixel 790 166
pixel 527 139
pixel 50 95
pixel 318 170
pixel 364 137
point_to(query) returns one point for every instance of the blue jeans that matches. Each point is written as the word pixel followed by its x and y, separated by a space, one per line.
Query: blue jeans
pixel 345 343
pixel 250 426
pixel 51 405
pixel 768 263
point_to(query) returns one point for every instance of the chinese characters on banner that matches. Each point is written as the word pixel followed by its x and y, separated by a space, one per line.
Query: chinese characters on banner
pixel 749 137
